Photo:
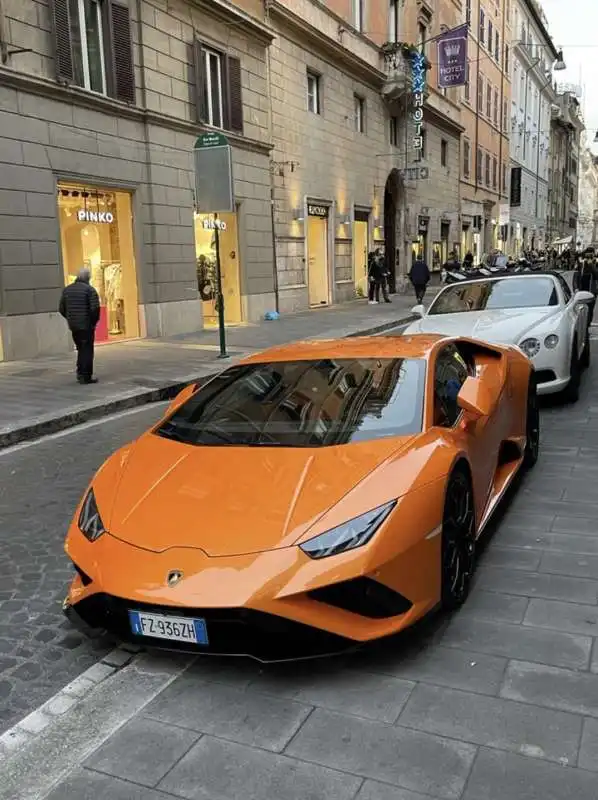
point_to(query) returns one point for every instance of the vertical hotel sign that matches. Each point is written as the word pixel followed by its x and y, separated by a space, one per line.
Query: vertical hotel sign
pixel 418 88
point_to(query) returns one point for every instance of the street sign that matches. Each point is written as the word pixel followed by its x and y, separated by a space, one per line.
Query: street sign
pixel 213 174
pixel 415 173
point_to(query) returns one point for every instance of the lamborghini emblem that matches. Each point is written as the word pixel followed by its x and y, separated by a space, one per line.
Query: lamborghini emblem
pixel 174 577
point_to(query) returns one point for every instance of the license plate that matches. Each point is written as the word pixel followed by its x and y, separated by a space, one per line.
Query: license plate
pixel 176 629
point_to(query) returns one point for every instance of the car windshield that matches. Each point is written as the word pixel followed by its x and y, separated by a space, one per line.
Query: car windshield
pixel 524 292
pixel 303 404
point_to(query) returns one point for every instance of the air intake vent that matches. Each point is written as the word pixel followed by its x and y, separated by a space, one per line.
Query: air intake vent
pixel 363 596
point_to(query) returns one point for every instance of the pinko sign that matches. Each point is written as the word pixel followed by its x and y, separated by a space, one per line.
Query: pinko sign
pixel 452 57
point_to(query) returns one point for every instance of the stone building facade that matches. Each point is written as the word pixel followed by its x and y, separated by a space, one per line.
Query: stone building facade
pixel 96 166
pixel 563 190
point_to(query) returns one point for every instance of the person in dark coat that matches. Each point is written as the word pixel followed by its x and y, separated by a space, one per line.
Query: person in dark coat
pixel 468 260
pixel 377 277
pixel 419 275
pixel 80 306
pixel 588 280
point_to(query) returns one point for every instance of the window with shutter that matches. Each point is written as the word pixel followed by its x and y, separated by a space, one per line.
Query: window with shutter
pixel 92 45
pixel 63 56
pixel 219 100
pixel 123 73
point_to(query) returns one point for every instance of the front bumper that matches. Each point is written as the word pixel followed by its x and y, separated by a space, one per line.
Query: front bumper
pixel 231 632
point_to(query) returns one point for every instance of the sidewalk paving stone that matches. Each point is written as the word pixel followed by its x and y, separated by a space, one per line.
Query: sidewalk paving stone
pixel 41 396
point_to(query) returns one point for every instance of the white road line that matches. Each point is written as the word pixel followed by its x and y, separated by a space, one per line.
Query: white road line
pixel 81 427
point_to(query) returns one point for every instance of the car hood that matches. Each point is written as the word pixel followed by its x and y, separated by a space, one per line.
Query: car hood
pixel 234 500
pixel 504 326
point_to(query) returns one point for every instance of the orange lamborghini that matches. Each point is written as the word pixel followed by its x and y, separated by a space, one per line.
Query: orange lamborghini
pixel 311 498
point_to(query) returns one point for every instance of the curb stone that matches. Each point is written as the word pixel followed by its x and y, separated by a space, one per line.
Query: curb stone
pixel 33 724
pixel 44 427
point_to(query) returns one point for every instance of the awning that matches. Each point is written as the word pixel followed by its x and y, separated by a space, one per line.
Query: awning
pixel 559 242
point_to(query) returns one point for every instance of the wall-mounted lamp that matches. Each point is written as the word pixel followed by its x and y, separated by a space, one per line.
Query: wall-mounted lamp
pixel 560 62
pixel 298 215
pixel 344 219
pixel 376 222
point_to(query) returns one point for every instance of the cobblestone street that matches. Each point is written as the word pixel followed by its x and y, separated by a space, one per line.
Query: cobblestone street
pixel 499 702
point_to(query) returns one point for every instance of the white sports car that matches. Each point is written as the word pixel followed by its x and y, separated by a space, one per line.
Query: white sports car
pixel 536 312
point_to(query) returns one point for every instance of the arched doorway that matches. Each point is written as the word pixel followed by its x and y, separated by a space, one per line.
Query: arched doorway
pixel 392 209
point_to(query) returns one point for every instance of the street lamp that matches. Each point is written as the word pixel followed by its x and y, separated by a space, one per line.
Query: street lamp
pixel 559 65
pixel 596 138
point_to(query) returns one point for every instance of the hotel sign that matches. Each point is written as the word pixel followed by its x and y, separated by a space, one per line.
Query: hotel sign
pixel 418 87
pixel 95 216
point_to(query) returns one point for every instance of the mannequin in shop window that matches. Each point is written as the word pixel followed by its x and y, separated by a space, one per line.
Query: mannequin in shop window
pixel 114 300
pixel 80 306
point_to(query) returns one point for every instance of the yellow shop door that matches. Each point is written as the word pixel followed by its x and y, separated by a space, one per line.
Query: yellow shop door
pixel 360 255
pixel 317 257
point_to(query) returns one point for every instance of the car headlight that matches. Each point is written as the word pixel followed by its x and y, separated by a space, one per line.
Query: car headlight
pixel 90 522
pixel 551 341
pixel 349 535
pixel 531 347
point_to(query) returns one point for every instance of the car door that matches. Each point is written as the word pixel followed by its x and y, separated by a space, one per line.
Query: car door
pixel 477 440
pixel 577 314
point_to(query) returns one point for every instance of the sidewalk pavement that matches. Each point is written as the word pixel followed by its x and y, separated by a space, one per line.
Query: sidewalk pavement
pixel 41 396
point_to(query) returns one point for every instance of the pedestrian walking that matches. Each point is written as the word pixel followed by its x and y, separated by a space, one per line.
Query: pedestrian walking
pixel 80 306
pixel 377 278
pixel 419 275
pixel 588 280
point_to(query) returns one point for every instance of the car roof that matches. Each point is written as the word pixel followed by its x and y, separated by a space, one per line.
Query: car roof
pixel 416 346
pixel 507 276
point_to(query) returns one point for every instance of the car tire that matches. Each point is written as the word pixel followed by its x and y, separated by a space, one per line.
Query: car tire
pixel 458 540
pixel 584 359
pixel 532 426
pixel 571 392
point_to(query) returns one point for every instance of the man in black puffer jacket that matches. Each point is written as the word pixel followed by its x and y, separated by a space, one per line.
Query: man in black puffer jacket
pixel 80 306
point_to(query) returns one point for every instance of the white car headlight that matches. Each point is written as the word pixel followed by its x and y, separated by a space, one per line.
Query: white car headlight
pixel 531 347
pixel 551 341
pixel 354 533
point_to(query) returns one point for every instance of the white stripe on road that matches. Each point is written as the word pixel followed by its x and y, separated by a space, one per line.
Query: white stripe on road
pixel 81 427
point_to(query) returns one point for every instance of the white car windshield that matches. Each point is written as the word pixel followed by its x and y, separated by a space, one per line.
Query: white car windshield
pixel 524 292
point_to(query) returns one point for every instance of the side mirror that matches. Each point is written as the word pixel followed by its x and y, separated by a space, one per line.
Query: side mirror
pixel 419 310
pixel 475 399
pixel 180 398
pixel 583 297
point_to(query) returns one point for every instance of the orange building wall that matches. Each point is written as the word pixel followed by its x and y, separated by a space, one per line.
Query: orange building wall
pixel 481 130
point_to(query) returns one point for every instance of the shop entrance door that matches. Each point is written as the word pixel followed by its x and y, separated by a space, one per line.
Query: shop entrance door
pixel 205 253
pixel 317 260
pixel 360 256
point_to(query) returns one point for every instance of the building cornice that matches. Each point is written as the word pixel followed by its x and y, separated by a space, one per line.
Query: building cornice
pixel 531 7
pixel 74 95
pixel 440 120
pixel 332 51
pixel 227 12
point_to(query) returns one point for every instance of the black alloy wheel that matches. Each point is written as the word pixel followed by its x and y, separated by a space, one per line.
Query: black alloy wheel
pixel 458 540
pixel 571 392
pixel 584 359
pixel 532 427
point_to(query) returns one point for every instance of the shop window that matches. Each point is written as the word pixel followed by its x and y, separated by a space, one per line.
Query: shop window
pixel 206 226
pixel 96 231
pixel 92 46
pixel 218 86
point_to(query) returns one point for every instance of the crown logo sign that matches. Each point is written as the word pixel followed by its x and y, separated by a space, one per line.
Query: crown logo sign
pixel 452 50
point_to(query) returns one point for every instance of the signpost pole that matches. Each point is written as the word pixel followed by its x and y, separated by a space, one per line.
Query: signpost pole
pixel 219 294
pixel 214 191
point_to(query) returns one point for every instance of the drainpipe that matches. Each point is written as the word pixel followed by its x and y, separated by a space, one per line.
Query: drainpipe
pixel 272 178
pixel 501 123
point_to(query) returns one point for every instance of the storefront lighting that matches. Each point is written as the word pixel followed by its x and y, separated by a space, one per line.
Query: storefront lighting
pixel 377 222
pixel 298 215
pixel 344 219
